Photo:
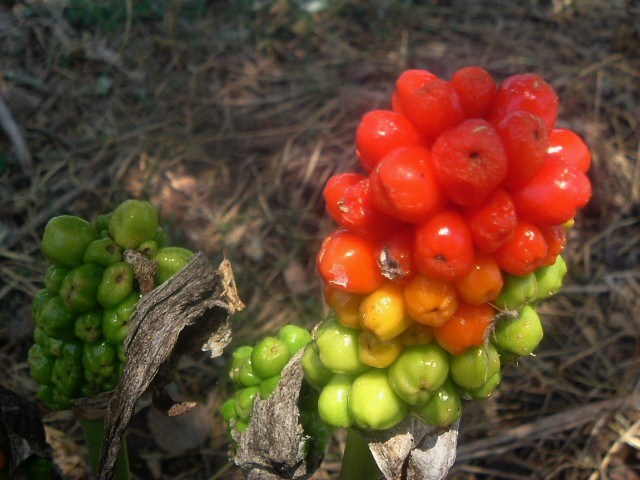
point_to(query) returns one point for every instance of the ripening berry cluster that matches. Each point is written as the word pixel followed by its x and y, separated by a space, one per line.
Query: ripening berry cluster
pixel 82 315
pixel 458 220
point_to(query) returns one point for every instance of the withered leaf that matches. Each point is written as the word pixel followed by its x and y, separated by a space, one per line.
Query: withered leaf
pixel 273 446
pixel 191 309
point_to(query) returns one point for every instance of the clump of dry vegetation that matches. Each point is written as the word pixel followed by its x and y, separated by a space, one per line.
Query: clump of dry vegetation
pixel 231 115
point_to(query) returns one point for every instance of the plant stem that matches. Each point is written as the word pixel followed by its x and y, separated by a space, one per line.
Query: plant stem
pixel 357 461
pixel 94 434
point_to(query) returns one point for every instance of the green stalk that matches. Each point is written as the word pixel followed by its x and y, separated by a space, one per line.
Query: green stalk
pixel 357 461
pixel 94 434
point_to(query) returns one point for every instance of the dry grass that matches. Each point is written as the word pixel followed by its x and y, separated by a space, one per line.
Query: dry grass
pixel 231 117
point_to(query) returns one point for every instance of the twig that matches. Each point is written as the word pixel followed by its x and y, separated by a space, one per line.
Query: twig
pixel 14 133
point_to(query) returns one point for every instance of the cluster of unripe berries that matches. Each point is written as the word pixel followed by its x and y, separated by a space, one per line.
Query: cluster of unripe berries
pixel 255 372
pixel 445 243
pixel 81 316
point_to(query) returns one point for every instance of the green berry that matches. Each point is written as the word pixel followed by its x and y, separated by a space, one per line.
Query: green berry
pixel 80 287
pixel 550 278
pixel 338 347
pixel 170 260
pixel 101 222
pixel 53 278
pixel 521 334
pixel 55 319
pixel 65 239
pixel 40 364
pixel 443 408
pixel 116 284
pixel 517 291
pixel 228 410
pixel 269 357
pixel 483 392
pixel 247 375
pixel 88 326
pixel 295 337
pixel 115 321
pixel 133 222
pixel 475 366
pixel 100 358
pixel 268 386
pixel 418 372
pixel 373 403
pixel 244 400
pixel 149 248
pixel 103 251
pixel 333 402
pixel 315 373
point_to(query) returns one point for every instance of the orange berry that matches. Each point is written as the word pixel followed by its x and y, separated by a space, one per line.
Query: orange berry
pixel 383 312
pixel 483 283
pixel 376 352
pixel 345 304
pixel 465 329
pixel 430 301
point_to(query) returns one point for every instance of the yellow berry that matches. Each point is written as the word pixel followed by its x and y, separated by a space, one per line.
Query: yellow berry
pixel 383 312
pixel 376 352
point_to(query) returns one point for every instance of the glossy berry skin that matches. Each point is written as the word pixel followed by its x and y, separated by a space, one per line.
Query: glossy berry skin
pixel 475 366
pixel 556 183
pixel 315 373
pixel 80 287
pixel 567 146
pixel 469 162
pixel 518 290
pixel 493 222
pixel 53 278
pixel 373 403
pixel 354 209
pixel 403 185
pixel 549 278
pixel 395 256
pixel 244 400
pixel 376 352
pixel 417 334
pixel 346 306
pixel 333 403
pixel 65 239
pixel 524 251
pixel 88 326
pixel 383 311
pixel 347 262
pixel 269 356
pixel 465 329
pixel 525 141
pixel 521 334
pixel 115 321
pixel 483 283
pixel 380 132
pixel 527 92
pixel 116 284
pixel 443 408
pixel 335 189
pixel 430 301
pixel 410 81
pixel 338 347
pixel 419 372
pixel 103 251
pixel 170 260
pixel 433 107
pixel 556 238
pixel 443 247
pixel 294 337
pixel 476 89
pixel 133 222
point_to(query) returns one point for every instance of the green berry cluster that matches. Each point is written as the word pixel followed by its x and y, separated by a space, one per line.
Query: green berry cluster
pixel 419 376
pixel 255 371
pixel 81 316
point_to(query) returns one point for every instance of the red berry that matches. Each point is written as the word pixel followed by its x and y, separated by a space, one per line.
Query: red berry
pixel 476 89
pixel 334 191
pixel 408 82
pixel 433 106
pixel 347 262
pixel 443 248
pixel 395 256
pixel 524 251
pixel 469 162
pixel 556 238
pixel 526 92
pixel 354 210
pixel 553 195
pixel 403 185
pixel 380 132
pixel 492 223
pixel 568 146
pixel 525 141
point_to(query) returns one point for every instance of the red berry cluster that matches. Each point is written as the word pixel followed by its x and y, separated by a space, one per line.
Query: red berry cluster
pixel 454 170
